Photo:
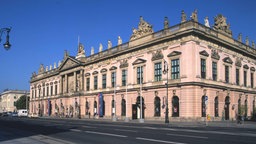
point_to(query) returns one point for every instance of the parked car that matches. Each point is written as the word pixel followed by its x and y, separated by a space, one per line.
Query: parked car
pixel 14 114
pixel 22 113
pixel 4 114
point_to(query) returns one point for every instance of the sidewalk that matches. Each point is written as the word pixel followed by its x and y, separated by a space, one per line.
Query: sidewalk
pixel 245 124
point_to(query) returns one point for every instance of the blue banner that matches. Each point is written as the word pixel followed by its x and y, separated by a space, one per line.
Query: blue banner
pixel 101 105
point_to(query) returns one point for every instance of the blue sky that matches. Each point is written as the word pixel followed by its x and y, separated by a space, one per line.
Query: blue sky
pixel 43 29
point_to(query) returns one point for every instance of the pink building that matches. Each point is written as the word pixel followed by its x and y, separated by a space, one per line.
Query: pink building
pixel 209 74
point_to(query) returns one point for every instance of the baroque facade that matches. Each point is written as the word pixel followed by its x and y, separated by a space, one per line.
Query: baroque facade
pixel 209 74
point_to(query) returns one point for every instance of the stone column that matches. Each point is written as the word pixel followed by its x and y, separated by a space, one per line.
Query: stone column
pixel 66 80
pixel 75 82
pixel 61 85
pixel 82 79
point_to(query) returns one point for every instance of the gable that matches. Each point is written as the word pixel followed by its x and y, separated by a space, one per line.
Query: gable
pixel 139 61
pixel 204 53
pixel 228 60
pixel 174 53
pixel 69 63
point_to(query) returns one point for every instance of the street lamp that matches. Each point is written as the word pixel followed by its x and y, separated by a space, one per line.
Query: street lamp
pixel 165 71
pixel 7 44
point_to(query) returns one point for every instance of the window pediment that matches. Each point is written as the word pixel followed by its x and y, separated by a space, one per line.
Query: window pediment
pixel 252 69
pixel 103 70
pixel 113 68
pixel 123 64
pixel 139 61
pixel 174 53
pixel 204 53
pixel 228 60
pixel 95 72
pixel 238 62
pixel 246 66
pixel 87 74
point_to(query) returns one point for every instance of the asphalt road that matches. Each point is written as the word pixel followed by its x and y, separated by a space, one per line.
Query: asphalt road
pixel 67 131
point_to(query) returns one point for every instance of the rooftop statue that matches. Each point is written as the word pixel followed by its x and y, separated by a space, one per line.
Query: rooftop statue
pixel 144 28
pixel 194 16
pixel 81 51
pixel 41 69
pixel 247 41
pixel 109 44
pixel 206 22
pixel 100 48
pixel 166 23
pixel 119 41
pixel 92 51
pixel 221 25
pixel 239 37
pixel 183 16
pixel 66 54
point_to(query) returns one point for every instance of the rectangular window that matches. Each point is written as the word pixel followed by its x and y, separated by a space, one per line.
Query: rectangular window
pixel 227 74
pixel 104 81
pixel 56 88
pixel 203 68
pixel 43 92
pixel 113 79
pixel 87 84
pixel 95 82
pixel 252 81
pixel 245 78
pixel 214 71
pixel 124 75
pixel 158 71
pixel 175 71
pixel 39 92
pixel 139 75
pixel 237 77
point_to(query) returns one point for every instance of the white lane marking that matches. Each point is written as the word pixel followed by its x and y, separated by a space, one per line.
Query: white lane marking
pixel 155 140
pixel 200 137
pixel 107 134
pixel 88 127
pixel 75 130
pixel 125 130
pixel 150 128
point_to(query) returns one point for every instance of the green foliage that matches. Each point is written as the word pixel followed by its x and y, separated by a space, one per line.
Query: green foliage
pixel 21 103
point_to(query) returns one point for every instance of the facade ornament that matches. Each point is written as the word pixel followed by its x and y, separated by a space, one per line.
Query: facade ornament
pixel 92 51
pixel 238 62
pixel 174 92
pixel 144 28
pixel 183 16
pixel 157 55
pixel 109 44
pixel 194 16
pixel 166 23
pixel 100 48
pixel 239 37
pixel 221 25
pixel 215 54
pixel 247 41
pixel 33 74
pixel 119 41
pixel 124 63
pixel 41 69
pixel 206 22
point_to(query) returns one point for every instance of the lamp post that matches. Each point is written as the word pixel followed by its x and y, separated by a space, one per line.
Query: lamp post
pixel 165 71
pixel 7 44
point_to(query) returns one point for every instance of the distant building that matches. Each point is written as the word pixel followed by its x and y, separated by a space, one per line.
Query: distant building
pixel 210 74
pixel 8 98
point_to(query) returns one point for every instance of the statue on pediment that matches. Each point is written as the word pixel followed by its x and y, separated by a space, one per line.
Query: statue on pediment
pixel 41 69
pixel 144 28
pixel 220 24
pixel 33 74
pixel 194 16
pixel 183 16
pixel 81 51
pixel 66 54
pixel 157 55
pixel 92 51
pixel 119 41
pixel 253 44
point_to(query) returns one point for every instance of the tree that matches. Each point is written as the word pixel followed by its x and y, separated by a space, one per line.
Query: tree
pixel 21 103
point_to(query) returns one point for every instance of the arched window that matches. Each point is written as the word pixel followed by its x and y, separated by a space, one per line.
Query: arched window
pixel 216 106
pixel 175 106
pixel 203 107
pixel 157 104
pixel 227 103
pixel 123 108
